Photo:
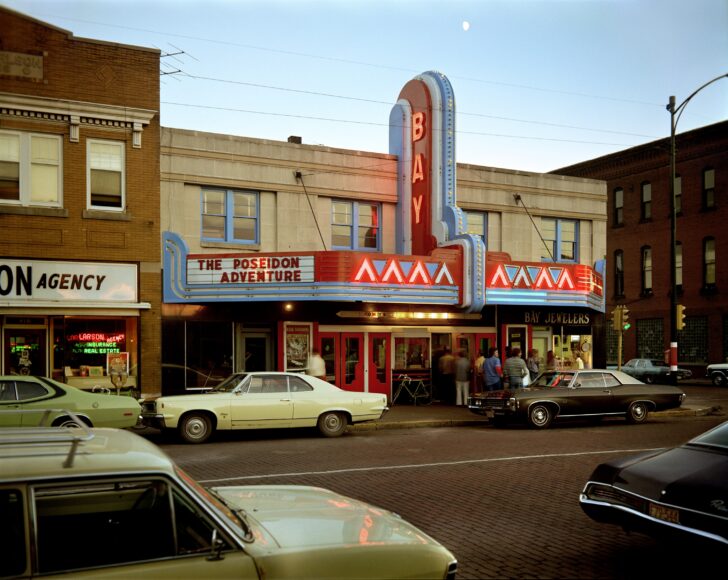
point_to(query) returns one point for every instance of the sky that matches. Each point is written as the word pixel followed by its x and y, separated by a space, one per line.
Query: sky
pixel 539 84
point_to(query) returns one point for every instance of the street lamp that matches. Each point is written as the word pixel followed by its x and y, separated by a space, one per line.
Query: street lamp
pixel 675 113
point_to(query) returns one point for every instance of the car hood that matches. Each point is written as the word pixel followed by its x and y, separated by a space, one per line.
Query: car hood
pixel 305 517
pixel 688 477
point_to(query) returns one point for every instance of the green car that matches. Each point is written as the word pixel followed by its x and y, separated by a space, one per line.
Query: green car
pixel 35 395
pixel 107 503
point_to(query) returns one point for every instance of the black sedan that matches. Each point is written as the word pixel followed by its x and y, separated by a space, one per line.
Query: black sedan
pixel 675 494
pixel 591 393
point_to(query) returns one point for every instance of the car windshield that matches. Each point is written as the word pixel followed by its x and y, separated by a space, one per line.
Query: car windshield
pixel 229 383
pixel 554 379
pixel 717 437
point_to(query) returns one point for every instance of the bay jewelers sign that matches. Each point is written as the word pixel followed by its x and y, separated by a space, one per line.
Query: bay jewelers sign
pixel 23 281
pixel 250 270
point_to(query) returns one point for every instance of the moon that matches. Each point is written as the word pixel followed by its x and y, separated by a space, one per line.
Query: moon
pixel 466 25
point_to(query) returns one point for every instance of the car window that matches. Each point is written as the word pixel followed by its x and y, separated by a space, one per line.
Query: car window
pixel 7 391
pixel 12 533
pixel 298 385
pixel 591 380
pixel 125 522
pixel 275 384
pixel 28 390
pixel 610 380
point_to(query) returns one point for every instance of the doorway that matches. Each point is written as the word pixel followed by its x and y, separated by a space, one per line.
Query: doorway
pixel 253 352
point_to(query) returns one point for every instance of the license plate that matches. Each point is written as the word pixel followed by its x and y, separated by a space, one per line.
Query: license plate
pixel 665 514
pixel 489 413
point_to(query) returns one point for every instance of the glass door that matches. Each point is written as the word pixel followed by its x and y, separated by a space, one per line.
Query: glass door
pixel 25 351
pixel 352 347
pixel 379 363
pixel 328 346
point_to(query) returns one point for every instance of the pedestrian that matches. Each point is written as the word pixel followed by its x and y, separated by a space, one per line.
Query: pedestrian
pixel 515 369
pixel 533 363
pixel 462 379
pixel 479 372
pixel 447 377
pixel 316 365
pixel 550 361
pixel 493 372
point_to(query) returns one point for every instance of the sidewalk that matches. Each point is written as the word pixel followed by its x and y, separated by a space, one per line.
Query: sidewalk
pixel 407 416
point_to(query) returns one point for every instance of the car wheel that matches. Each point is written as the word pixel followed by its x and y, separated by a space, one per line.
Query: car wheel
pixel 540 416
pixel 68 422
pixel 332 424
pixel 637 412
pixel 195 428
pixel 649 379
pixel 719 379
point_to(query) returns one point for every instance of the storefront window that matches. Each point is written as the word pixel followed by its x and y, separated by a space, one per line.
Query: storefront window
pixel 412 352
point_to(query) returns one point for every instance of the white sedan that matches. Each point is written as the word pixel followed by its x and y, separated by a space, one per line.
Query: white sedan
pixel 263 400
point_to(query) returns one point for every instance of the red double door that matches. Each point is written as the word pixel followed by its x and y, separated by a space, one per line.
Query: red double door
pixel 358 361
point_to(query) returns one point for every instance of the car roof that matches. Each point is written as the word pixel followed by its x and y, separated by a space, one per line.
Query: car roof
pixel 46 453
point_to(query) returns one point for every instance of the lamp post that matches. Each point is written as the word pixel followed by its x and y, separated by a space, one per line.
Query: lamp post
pixel 675 113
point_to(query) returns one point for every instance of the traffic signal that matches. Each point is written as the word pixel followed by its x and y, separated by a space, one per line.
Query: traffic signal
pixel 680 317
pixel 617 318
pixel 626 324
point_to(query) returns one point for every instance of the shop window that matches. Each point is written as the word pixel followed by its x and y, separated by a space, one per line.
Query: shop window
pixel 650 338
pixel 106 175
pixel 477 224
pixel 693 340
pixel 618 206
pixel 355 226
pixel 708 188
pixel 561 239
pixel 646 201
pixel 412 352
pixel 30 169
pixel 230 216
pixel 619 273
pixel 708 263
pixel 646 271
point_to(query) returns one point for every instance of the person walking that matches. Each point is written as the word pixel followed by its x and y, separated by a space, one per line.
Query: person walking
pixel 316 365
pixel 479 372
pixel 462 379
pixel 447 374
pixel 515 369
pixel 533 364
pixel 492 371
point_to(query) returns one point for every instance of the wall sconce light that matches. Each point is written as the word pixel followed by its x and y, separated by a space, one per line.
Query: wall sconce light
pixel 288 307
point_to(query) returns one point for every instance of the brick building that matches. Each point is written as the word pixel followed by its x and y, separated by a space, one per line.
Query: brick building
pixel 638 243
pixel 79 206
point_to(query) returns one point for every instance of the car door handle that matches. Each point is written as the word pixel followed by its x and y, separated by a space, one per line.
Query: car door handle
pixel 285 400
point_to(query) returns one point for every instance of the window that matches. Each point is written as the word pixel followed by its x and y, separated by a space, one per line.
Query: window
pixel 678 265
pixel 708 188
pixel 618 206
pixel 619 273
pixel 646 201
pixel 30 169
pixel 355 225
pixel 477 224
pixel 105 178
pixel 560 237
pixel 709 262
pixel 646 270
pixel 230 216
pixel 678 194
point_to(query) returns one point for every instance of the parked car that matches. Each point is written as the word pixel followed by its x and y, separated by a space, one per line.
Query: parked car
pixel 263 400
pixel 99 503
pixel 679 493
pixel 718 373
pixel 593 393
pixel 41 394
pixel 652 371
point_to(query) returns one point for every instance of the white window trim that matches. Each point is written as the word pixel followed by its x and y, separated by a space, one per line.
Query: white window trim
pixel 122 146
pixel 24 171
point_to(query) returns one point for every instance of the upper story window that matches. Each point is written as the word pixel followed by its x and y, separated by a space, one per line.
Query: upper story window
pixel 560 236
pixel 708 188
pixel 619 273
pixel 355 225
pixel 30 169
pixel 106 180
pixel 646 201
pixel 477 224
pixel 678 194
pixel 708 262
pixel 230 216
pixel 646 270
pixel 618 206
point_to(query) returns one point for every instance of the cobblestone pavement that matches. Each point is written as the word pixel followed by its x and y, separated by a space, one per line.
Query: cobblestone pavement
pixel 505 501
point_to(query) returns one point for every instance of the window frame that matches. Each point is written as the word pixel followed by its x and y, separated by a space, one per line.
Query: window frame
pixel 646 201
pixel 230 217
pixel 122 148
pixel 708 193
pixel 646 270
pixel 618 208
pixel 709 266
pixel 556 243
pixel 482 234
pixel 354 226
pixel 25 170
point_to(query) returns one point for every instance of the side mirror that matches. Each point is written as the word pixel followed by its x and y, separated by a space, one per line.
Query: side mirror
pixel 216 545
